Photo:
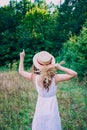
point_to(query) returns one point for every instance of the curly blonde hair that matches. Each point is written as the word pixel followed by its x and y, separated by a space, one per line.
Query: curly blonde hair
pixel 47 73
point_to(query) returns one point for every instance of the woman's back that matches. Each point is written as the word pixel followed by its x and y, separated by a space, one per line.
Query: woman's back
pixel 44 92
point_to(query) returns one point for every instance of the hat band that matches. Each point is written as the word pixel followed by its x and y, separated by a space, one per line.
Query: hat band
pixel 44 62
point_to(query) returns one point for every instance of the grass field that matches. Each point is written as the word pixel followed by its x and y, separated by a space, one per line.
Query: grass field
pixel 18 99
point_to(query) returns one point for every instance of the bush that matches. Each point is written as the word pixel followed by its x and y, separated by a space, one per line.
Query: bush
pixel 75 52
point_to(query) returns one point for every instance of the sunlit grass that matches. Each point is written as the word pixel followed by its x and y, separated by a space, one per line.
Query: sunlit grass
pixel 18 99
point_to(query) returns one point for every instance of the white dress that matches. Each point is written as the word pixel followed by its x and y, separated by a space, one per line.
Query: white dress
pixel 46 115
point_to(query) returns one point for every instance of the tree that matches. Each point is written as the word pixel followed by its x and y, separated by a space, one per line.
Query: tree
pixel 36 32
pixel 10 18
pixel 8 23
pixel 72 15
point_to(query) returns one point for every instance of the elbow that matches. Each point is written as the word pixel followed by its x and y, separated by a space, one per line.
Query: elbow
pixel 74 74
pixel 20 72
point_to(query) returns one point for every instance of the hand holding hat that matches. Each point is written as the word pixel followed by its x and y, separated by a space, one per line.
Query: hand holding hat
pixel 58 65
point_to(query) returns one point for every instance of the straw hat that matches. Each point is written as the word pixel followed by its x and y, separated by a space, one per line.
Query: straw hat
pixel 43 58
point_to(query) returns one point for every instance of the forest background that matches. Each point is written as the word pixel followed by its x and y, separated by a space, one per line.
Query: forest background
pixel 36 26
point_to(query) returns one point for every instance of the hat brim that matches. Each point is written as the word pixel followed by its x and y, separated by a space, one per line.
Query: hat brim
pixel 35 61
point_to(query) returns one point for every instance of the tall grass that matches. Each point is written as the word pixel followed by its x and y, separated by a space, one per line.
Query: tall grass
pixel 18 99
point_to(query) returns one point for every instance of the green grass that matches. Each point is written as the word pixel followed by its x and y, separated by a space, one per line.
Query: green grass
pixel 73 106
pixel 18 99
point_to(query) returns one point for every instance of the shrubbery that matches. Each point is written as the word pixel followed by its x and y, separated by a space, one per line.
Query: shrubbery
pixel 75 52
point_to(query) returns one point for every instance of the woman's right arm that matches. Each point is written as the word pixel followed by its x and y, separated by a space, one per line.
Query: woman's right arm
pixel 22 72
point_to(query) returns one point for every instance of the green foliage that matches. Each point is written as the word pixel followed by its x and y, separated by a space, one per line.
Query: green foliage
pixel 72 15
pixel 38 26
pixel 10 17
pixel 28 26
pixel 8 37
pixel 36 32
pixel 75 52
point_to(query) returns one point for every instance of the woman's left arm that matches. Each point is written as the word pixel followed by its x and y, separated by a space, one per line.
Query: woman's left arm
pixel 69 73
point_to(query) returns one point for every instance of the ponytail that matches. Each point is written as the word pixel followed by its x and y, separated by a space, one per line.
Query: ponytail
pixel 47 74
